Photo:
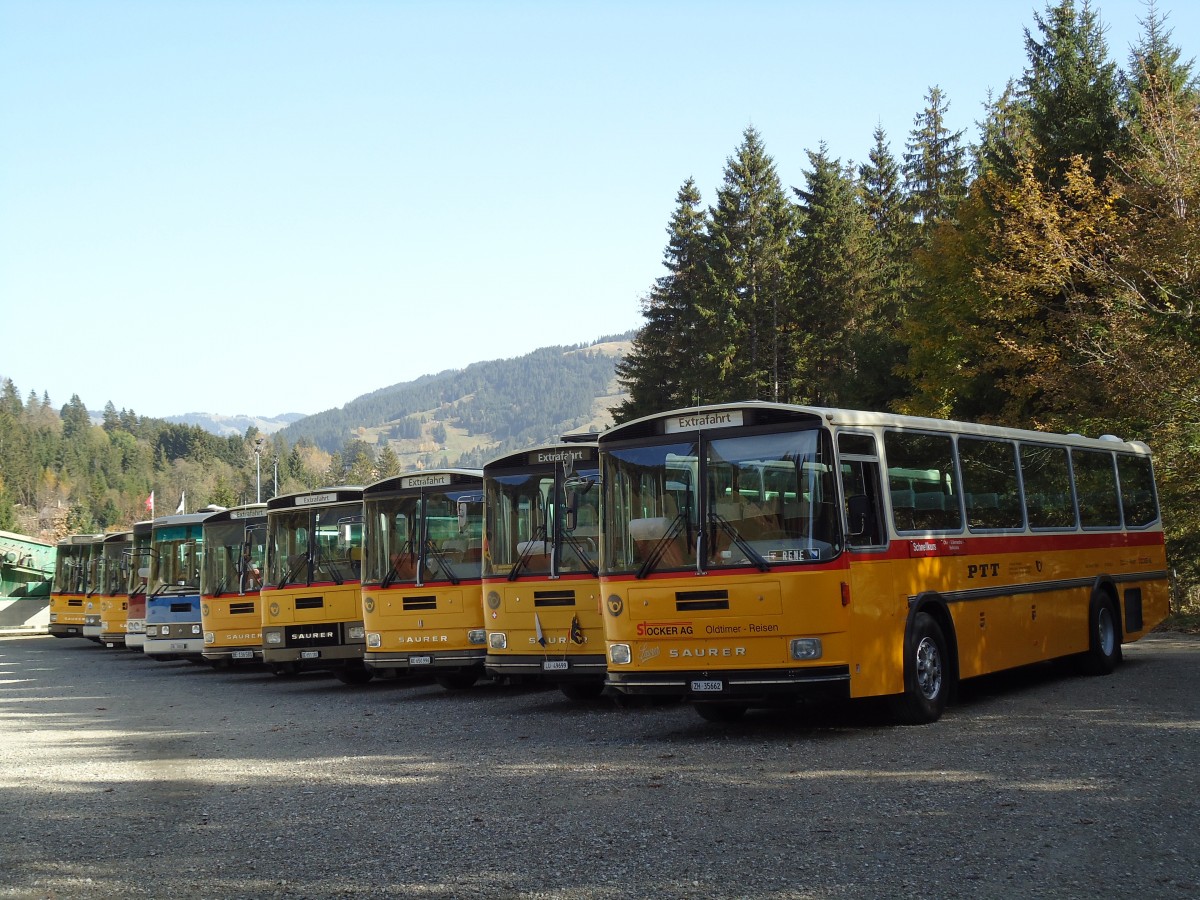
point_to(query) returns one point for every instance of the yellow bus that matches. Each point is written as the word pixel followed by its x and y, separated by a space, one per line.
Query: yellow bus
pixel 137 575
pixel 311 601
pixel 109 606
pixel 69 592
pixel 235 543
pixel 757 553
pixel 421 596
pixel 541 583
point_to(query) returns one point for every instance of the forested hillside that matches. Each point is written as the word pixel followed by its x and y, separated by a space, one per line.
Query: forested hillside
pixel 61 474
pixel 1046 276
pixel 464 416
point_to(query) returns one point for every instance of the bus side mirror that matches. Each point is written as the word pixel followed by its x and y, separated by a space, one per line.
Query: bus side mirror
pixel 574 488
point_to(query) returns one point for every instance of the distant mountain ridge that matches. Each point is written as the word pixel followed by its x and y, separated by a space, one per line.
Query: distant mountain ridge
pixel 465 416
pixel 223 426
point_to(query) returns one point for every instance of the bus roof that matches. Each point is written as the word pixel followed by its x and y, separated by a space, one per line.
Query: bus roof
pixel 545 455
pixel 762 412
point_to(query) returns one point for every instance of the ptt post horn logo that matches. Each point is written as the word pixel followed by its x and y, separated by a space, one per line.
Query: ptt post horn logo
pixel 615 605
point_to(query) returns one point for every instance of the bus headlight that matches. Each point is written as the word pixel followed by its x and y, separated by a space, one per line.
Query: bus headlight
pixel 271 637
pixel 373 640
pixel 476 636
pixel 356 633
pixel 498 640
pixel 53 617
pixel 209 637
pixel 618 654
pixel 807 648
pixel 195 629
pixel 152 631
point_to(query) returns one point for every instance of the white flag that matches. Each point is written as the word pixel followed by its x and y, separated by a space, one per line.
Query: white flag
pixel 182 501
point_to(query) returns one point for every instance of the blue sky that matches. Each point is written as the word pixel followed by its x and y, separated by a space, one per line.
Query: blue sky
pixel 263 207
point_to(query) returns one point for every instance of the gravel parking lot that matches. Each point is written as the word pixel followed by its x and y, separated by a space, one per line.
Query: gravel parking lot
pixel 123 776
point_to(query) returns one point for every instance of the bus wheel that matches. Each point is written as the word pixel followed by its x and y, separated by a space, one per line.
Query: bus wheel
pixel 457 681
pixel 1104 642
pixel 354 675
pixel 582 690
pixel 720 712
pixel 926 678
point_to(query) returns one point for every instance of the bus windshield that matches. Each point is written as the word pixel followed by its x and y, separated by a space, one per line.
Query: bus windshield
pixel 452 545
pixel 528 529
pixel 311 545
pixel 756 500
pixel 233 556
pixel 175 560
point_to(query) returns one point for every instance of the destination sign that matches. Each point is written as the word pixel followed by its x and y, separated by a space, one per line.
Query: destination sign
pixel 420 481
pixel 696 421
pixel 247 513
pixel 561 455
pixel 314 499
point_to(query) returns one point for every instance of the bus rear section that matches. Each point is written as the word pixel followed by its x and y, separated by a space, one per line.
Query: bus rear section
pixel 112 603
pixel 235 542
pixel 541 581
pixel 68 594
pixel 174 629
pixel 759 553
pixel 137 577
pixel 311 601
pixel 422 602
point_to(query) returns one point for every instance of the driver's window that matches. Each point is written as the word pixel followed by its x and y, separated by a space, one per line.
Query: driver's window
pixel 861 490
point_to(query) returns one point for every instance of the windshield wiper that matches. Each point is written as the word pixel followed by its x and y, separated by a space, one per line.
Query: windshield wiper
pixel 751 554
pixel 441 561
pixel 538 535
pixel 660 548
pixel 577 545
pixel 331 567
pixel 220 588
pixel 293 572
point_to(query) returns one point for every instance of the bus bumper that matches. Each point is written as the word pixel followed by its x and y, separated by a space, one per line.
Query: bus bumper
pixel 762 686
pixel 583 667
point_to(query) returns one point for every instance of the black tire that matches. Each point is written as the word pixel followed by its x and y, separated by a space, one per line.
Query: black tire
pixel 582 690
pixel 721 713
pixel 926 673
pixel 354 675
pixel 457 681
pixel 1104 637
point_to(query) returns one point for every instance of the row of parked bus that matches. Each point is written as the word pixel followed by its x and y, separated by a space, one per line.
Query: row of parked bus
pixel 740 555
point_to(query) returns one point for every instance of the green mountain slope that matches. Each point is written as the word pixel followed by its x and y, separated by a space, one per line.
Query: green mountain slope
pixel 466 416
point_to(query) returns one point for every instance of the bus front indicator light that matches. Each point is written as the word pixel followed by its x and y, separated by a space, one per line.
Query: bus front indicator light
pixel 807 648
pixel 619 654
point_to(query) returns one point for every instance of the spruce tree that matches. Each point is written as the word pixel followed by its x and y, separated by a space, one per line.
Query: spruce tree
pixel 1071 92
pixel 935 170
pixel 666 367
pixel 752 226
pixel 829 260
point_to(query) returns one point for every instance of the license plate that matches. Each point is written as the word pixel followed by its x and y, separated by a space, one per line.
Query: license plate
pixel 310 654
pixel 707 687
pixel 554 665
pixel 243 654
pixel 179 646
pixel 419 660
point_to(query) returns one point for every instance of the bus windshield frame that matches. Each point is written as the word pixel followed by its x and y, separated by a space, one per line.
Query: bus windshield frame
pixel 427 535
pixel 702 500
